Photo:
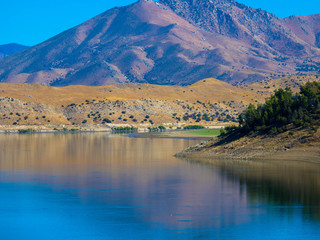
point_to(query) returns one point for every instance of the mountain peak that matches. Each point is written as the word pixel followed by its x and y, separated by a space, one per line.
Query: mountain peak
pixel 176 42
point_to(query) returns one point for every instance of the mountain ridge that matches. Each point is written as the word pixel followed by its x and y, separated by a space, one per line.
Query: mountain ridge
pixel 10 48
pixel 148 42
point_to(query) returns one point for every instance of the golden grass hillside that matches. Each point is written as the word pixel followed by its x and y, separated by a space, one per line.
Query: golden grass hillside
pixel 206 102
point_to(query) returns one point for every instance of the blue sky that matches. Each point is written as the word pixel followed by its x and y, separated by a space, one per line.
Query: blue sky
pixel 33 21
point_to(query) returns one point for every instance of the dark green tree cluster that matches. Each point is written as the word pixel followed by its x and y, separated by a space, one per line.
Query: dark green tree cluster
pixel 124 129
pixel 194 127
pixel 284 108
pixel 157 129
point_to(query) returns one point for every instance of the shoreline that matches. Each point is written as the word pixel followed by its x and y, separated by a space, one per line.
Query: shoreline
pixel 302 146
pixel 48 129
pixel 301 154
pixel 141 132
pixel 175 134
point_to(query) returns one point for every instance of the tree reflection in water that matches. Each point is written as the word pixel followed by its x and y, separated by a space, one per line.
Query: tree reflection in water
pixel 283 185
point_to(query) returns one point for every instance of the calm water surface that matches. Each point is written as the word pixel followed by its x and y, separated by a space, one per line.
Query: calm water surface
pixel 99 186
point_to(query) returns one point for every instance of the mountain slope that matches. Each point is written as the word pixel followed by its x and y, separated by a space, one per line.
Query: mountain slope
pixel 254 26
pixel 175 42
pixel 8 49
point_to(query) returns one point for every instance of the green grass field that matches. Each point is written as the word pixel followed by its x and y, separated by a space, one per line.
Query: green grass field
pixel 205 132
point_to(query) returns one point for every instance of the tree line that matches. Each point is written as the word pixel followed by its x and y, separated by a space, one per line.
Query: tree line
pixel 284 108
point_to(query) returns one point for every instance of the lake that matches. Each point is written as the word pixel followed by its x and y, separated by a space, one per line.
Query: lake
pixel 102 186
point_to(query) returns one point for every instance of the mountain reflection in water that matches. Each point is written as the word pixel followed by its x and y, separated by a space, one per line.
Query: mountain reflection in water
pixel 100 186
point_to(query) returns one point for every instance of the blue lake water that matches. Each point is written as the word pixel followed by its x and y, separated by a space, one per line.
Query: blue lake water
pixel 99 186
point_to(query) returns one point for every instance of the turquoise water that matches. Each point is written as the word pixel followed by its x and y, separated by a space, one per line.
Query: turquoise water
pixel 98 186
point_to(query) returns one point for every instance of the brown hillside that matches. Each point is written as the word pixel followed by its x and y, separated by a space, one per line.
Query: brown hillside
pixel 209 101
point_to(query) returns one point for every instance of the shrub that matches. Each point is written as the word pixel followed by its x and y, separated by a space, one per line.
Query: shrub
pixel 274 131
pixel 124 129
pixel 194 127
pixel 230 129
pixel 223 131
pixel 26 130
pixel 162 128
pixel 106 120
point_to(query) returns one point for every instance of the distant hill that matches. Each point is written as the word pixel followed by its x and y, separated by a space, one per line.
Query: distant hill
pixel 207 102
pixel 8 49
pixel 172 42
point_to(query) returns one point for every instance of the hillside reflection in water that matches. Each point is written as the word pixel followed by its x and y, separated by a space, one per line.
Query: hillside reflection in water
pixel 99 186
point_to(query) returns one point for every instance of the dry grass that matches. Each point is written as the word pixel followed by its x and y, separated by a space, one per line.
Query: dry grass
pixel 206 96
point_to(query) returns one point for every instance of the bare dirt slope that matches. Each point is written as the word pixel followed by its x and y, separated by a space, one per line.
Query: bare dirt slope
pixel 298 145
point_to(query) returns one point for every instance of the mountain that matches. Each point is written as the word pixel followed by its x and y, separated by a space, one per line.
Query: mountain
pixel 173 42
pixel 8 49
